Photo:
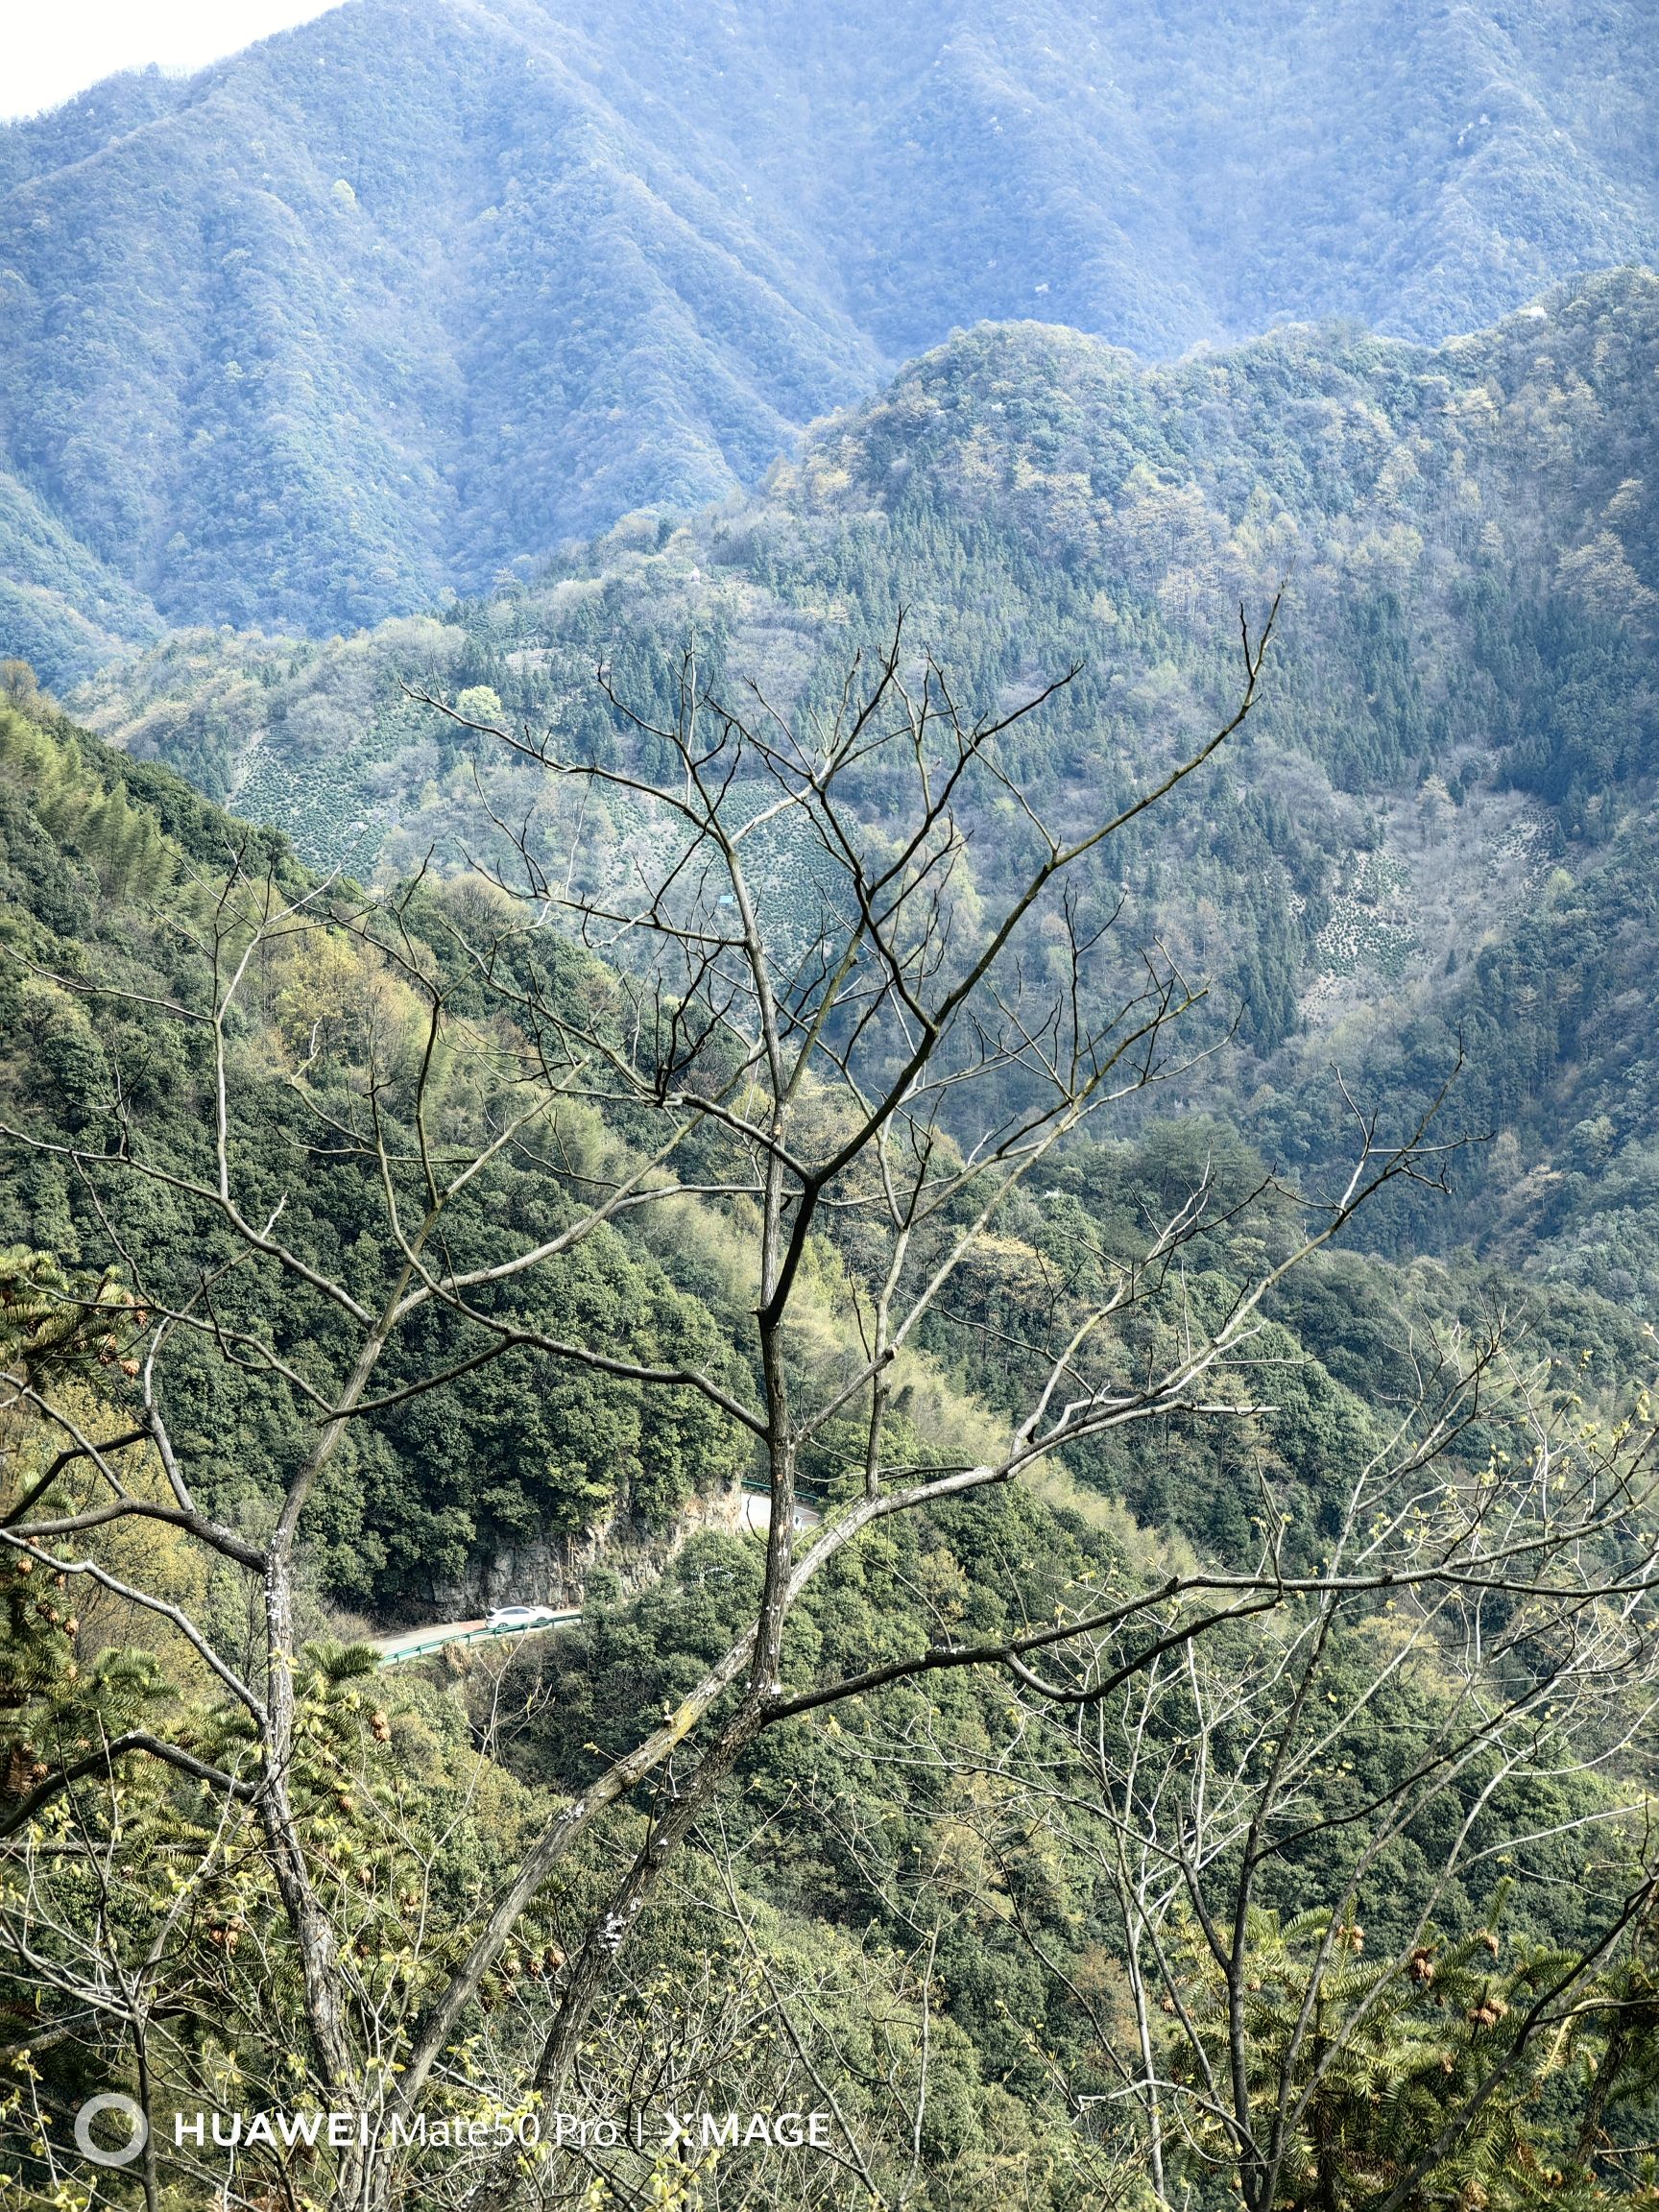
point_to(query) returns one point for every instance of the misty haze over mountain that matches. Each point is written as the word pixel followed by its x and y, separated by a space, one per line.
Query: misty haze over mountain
pixel 393 302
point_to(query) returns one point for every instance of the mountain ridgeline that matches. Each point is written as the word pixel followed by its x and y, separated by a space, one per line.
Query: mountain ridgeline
pixel 1438 823
pixel 1105 1654
pixel 416 292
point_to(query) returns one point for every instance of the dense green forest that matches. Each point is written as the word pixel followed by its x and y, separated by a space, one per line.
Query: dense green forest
pixel 1436 826
pixel 99 848
pixel 412 295
pixel 911 1913
pixel 419 1497
pixel 951 1064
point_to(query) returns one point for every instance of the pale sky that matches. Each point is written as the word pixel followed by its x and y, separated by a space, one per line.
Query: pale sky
pixel 52 49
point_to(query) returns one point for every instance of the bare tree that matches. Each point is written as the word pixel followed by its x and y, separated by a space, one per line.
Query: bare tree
pixel 1485 1605
pixel 870 1067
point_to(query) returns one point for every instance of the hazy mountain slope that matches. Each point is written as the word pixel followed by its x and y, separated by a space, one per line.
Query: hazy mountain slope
pixel 398 298
pixel 1470 536
pixel 60 608
pixel 1463 698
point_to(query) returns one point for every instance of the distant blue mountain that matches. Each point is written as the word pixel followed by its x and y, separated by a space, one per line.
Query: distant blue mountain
pixel 424 288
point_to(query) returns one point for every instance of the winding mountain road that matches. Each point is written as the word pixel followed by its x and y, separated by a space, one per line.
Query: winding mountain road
pixel 755 1514
pixel 420 1643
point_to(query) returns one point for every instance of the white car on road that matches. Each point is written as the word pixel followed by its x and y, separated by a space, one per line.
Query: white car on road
pixel 506 1618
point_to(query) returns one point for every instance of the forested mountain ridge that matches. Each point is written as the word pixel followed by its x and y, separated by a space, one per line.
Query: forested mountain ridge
pixel 106 865
pixel 914 1891
pixel 411 292
pixel 1460 720
pixel 979 1081
pixel 1454 529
